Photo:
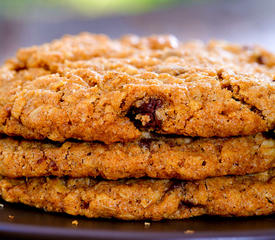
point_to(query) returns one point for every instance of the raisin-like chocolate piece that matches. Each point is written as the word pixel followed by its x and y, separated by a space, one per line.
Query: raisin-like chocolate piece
pixel 146 109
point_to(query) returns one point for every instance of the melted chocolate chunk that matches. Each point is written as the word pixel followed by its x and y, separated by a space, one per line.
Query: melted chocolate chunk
pixel 147 109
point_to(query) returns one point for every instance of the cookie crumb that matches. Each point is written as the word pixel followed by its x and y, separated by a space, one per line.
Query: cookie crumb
pixel 75 222
pixel 147 224
pixel 11 217
pixel 1 205
pixel 189 231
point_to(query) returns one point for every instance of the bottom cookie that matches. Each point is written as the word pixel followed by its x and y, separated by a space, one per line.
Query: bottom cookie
pixel 137 199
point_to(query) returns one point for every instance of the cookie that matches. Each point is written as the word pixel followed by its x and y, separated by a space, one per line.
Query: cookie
pixel 146 199
pixel 90 87
pixel 156 157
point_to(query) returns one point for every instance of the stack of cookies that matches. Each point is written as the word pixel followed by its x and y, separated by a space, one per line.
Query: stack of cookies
pixel 139 128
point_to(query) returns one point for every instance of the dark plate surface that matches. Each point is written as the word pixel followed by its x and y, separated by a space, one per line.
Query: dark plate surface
pixel 31 223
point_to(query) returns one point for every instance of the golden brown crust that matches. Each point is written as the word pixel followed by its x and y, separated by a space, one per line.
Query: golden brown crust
pixel 158 157
pixel 146 199
pixel 90 87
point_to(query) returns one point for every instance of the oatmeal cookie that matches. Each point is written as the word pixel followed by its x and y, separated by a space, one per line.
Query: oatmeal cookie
pixel 146 199
pixel 90 87
pixel 156 157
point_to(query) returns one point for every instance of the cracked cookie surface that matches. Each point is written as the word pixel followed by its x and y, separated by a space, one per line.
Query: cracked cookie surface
pixel 155 157
pixel 146 199
pixel 90 87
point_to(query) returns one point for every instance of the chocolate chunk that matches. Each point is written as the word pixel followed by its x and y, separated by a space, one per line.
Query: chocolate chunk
pixel 256 110
pixel 84 204
pixel 147 109
pixel 53 165
pixel 145 142
pixel 40 160
pixel 220 76
pixel 260 60
pixel 228 87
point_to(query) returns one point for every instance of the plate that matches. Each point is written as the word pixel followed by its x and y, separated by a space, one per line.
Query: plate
pixel 32 223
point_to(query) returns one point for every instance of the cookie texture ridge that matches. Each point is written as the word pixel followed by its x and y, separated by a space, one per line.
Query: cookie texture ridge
pixel 90 87
pixel 146 199
pixel 155 157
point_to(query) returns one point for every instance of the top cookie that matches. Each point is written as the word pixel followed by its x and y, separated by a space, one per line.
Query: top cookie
pixel 90 87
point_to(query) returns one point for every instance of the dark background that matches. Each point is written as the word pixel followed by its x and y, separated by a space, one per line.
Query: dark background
pixel 29 22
